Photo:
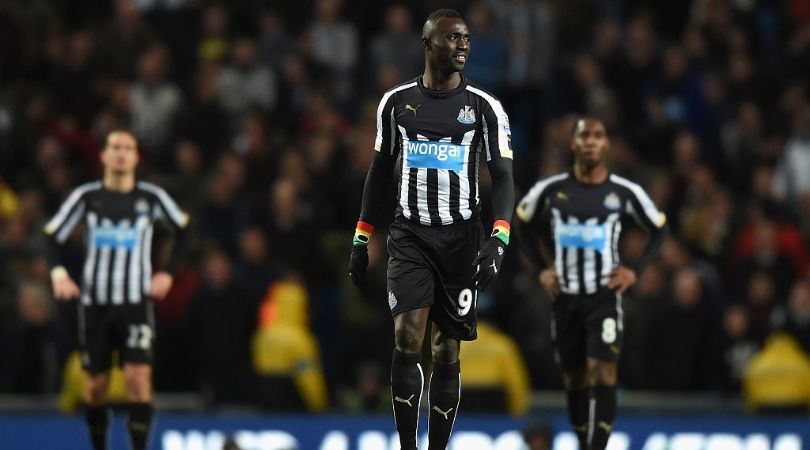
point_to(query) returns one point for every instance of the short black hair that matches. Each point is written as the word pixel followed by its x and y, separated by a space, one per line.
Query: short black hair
pixel 585 118
pixel 435 17
pixel 121 131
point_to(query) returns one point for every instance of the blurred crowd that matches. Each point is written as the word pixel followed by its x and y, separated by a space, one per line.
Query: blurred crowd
pixel 258 118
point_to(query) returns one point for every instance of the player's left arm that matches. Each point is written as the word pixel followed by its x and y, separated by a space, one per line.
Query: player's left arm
pixel 498 146
pixel 654 222
pixel 179 221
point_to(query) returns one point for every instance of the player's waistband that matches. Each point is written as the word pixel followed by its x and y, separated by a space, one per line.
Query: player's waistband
pixel 400 218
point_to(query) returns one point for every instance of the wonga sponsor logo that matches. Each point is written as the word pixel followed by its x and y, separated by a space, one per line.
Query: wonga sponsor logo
pixel 435 155
pixel 116 237
pixel 585 236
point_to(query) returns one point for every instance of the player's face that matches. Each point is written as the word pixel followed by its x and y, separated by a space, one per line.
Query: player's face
pixel 590 143
pixel 120 154
pixel 450 44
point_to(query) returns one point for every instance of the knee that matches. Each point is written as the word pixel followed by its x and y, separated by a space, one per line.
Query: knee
pixel 407 339
pixel 604 373
pixel 445 351
pixel 96 387
pixel 575 380
pixel 139 384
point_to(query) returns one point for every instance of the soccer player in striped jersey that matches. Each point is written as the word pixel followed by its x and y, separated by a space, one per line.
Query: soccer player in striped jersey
pixel 117 282
pixel 432 132
pixel 584 275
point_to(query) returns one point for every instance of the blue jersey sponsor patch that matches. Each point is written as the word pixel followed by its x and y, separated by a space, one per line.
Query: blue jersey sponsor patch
pixel 584 236
pixel 434 155
pixel 116 237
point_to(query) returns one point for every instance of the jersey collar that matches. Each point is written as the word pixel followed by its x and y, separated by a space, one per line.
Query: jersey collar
pixel 442 94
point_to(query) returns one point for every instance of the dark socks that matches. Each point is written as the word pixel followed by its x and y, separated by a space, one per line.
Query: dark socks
pixel 98 420
pixel 406 391
pixel 604 415
pixel 139 424
pixel 444 400
pixel 578 408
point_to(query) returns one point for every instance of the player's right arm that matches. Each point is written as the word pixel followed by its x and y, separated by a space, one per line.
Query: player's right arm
pixel 58 230
pixel 530 207
pixel 377 188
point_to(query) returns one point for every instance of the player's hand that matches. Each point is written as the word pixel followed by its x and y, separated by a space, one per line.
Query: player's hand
pixel 550 281
pixel 488 263
pixel 161 284
pixel 622 279
pixel 64 288
pixel 358 264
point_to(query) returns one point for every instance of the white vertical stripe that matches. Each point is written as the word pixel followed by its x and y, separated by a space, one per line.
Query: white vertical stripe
pixel 146 251
pixel 590 277
pixel 406 175
pixel 103 269
pixel 614 263
pixel 558 254
pixel 90 259
pixel 119 266
pixel 463 178
pixel 135 261
pixel 421 389
pixel 444 197
pixel 619 312
pixel 607 250
pixel 422 196
pixel 70 224
pixel 486 136
pixel 571 265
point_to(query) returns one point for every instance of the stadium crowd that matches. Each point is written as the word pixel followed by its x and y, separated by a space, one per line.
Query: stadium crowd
pixel 258 117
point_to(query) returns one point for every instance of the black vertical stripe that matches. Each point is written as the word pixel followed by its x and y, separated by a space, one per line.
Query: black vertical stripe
pixel 598 268
pixel 472 166
pixel 564 255
pixel 455 197
pixel 581 269
pixel 433 196
pixel 126 280
pixel 412 193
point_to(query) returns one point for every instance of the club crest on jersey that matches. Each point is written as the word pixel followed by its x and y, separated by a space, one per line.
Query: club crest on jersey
pixel 141 206
pixel 612 201
pixel 466 115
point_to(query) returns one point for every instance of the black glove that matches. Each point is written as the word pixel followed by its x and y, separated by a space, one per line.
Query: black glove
pixel 358 263
pixel 488 263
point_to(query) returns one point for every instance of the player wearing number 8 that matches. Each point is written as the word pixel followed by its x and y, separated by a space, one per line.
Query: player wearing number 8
pixel 435 129
pixel 117 283
pixel 583 274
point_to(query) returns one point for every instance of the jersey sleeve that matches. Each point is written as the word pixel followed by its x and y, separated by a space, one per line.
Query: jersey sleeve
pixel 642 208
pixel 534 201
pixel 388 134
pixel 167 209
pixel 497 134
pixel 70 213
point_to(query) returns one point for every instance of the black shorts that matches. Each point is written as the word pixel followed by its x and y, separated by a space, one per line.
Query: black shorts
pixel 128 328
pixel 587 325
pixel 432 267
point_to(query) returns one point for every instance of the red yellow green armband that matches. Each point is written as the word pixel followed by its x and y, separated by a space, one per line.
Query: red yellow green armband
pixel 500 230
pixel 362 233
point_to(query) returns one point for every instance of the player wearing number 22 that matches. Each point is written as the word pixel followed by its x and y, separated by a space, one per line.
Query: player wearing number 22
pixel 117 283
pixel 584 276
pixel 434 130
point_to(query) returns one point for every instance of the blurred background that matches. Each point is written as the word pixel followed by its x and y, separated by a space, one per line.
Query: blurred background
pixel 258 118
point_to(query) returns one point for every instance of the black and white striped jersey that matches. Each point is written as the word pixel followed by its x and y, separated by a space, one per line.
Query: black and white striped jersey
pixel 439 137
pixel 586 224
pixel 119 229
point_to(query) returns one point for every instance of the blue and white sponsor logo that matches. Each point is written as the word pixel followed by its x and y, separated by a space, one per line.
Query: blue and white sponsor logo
pixel 435 155
pixel 116 237
pixel 584 236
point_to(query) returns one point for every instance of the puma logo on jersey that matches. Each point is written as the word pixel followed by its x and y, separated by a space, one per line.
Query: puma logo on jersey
pixel 402 400
pixel 494 267
pixel 412 108
pixel 443 413
pixel 562 195
pixel 605 426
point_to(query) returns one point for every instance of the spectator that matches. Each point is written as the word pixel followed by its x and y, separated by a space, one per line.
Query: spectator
pixel 245 82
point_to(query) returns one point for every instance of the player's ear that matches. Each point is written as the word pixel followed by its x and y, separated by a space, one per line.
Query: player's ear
pixel 426 43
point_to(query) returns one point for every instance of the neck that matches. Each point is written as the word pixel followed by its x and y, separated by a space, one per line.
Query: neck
pixel 119 182
pixel 438 80
pixel 591 175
